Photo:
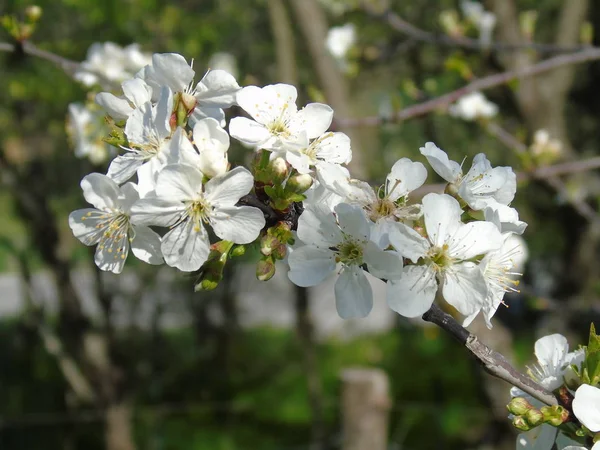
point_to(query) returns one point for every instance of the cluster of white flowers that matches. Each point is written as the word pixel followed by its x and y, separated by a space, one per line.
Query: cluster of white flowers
pixel 107 65
pixel 556 368
pixel 459 245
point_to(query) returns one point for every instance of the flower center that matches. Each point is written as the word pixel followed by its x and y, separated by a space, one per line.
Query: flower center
pixel 350 252
pixel 439 257
pixel 383 207
pixel 198 211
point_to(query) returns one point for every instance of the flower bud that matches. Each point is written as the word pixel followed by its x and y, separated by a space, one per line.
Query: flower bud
pixel 534 417
pixel 555 415
pixel 265 269
pixel 519 406
pixel 520 423
pixel 238 250
pixel 280 251
pixel 299 183
pixel 278 170
pixel 33 13
pixel 268 243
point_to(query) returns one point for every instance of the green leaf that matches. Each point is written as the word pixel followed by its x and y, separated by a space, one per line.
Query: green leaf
pixel 592 357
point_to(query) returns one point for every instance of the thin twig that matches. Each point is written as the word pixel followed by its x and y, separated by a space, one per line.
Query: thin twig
pixel 399 24
pixel 68 65
pixel 551 179
pixel 493 362
pixel 480 84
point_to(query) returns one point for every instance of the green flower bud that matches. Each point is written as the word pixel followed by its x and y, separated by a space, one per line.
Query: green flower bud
pixel 554 415
pixel 520 423
pixel 33 13
pixel 238 250
pixel 534 417
pixel 265 269
pixel 268 243
pixel 519 406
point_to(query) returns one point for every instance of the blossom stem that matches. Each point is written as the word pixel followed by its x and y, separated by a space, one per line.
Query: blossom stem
pixel 493 362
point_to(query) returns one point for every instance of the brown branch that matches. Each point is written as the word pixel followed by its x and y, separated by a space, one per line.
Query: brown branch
pixel 493 362
pixel 549 177
pixel 69 66
pixel 399 24
pixel 480 84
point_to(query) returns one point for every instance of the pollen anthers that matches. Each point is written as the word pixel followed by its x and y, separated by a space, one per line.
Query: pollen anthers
pixel 382 207
pixel 198 211
pixel 115 229
pixel 439 257
pixel 350 252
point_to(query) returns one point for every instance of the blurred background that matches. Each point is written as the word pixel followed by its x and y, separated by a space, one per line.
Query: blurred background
pixel 90 360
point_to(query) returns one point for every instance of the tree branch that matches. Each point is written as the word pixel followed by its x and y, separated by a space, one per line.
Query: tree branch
pixel 480 84
pixel 493 362
pixel 69 66
pixel 399 24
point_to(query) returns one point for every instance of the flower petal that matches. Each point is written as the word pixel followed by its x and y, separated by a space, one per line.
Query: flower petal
pixel 100 191
pixel 186 246
pixel 217 88
pixel 540 438
pixel 405 177
pixel 413 294
pixel 353 221
pixel 407 241
pixel 156 211
pixel 317 227
pixel 84 224
pixel 248 131
pixel 239 224
pixel 552 351
pixel 382 264
pixel 179 182
pixel 124 166
pixel 438 159
pixel 146 245
pixel 314 119
pixel 310 265
pixel 473 239
pixel 353 293
pixel 442 217
pixel 464 287
pixel 227 189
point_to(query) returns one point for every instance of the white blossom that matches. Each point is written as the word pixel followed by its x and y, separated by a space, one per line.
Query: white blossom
pixel 148 132
pixel 110 224
pixel 277 124
pixel 184 204
pixel 483 186
pixel 135 94
pixel 108 64
pixel 87 130
pixel 326 242
pixel 387 207
pixel 473 106
pixel 586 407
pixel 339 41
pixel 553 361
pixel 442 259
pixel 500 270
pixel 330 147
pixel 215 91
